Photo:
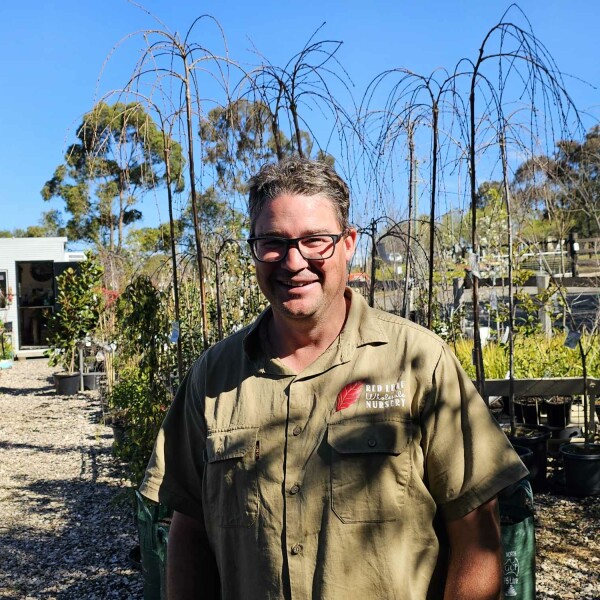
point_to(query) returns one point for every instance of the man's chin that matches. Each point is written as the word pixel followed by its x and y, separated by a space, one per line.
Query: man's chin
pixel 296 309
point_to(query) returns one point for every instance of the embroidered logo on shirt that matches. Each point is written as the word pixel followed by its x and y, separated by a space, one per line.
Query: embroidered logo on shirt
pixel 349 395
pixel 385 395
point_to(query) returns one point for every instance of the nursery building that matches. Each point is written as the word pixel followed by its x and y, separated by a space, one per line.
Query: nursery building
pixel 28 292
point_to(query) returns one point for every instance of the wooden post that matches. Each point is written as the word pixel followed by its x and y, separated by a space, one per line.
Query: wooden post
pixel 81 385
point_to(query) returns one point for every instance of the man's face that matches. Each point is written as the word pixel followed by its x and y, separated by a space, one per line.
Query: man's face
pixel 295 287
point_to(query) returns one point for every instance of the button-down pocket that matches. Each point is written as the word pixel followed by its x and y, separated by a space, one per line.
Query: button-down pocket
pixel 370 469
pixel 230 479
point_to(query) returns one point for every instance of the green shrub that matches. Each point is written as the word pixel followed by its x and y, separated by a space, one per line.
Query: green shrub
pixel 6 349
pixel 79 306
pixel 134 405
pixel 534 357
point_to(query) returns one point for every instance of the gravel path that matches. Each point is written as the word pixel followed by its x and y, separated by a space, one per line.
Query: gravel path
pixel 66 526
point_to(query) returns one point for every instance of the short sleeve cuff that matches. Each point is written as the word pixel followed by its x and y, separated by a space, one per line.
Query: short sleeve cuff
pixel 482 493
pixel 176 501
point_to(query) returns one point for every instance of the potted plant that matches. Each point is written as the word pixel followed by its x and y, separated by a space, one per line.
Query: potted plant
pixel 582 467
pixel 79 306
pixel 528 410
pixel 534 438
pixel 6 350
pixel 558 411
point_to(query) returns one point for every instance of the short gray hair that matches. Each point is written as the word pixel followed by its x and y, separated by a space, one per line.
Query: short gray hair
pixel 295 175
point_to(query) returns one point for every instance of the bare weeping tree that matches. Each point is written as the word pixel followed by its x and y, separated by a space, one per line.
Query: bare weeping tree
pixel 301 98
pixel 512 64
pixel 177 73
pixel 412 105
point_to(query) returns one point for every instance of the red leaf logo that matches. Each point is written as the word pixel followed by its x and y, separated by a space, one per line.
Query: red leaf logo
pixel 349 395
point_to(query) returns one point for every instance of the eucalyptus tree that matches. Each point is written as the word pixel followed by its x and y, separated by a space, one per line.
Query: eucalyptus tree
pixel 50 224
pixel 237 139
pixel 564 186
pixel 118 157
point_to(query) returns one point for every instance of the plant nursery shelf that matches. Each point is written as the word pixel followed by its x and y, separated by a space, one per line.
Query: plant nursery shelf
pixel 552 386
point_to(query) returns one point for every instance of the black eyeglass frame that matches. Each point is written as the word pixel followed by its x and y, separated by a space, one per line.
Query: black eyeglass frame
pixel 295 242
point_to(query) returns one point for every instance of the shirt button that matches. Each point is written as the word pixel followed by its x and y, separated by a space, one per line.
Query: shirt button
pixel 372 442
pixel 295 489
pixel 297 549
pixel 297 430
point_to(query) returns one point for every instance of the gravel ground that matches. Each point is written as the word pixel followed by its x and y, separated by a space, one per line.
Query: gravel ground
pixel 67 526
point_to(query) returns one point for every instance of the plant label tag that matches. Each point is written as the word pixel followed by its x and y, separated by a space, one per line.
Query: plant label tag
pixel 572 339
pixel 474 265
pixel 493 300
pixel 174 332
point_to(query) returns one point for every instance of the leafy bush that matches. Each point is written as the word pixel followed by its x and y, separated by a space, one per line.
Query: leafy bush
pixel 134 406
pixel 6 349
pixel 79 306
pixel 534 357
pixel 145 362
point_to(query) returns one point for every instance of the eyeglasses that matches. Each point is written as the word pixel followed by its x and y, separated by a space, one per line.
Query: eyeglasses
pixel 269 249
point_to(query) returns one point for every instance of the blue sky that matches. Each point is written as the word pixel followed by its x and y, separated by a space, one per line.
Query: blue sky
pixel 53 52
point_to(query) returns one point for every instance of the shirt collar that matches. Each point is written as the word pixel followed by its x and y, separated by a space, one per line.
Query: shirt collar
pixel 362 328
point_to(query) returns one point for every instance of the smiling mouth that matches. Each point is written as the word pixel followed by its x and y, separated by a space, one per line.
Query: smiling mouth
pixel 296 284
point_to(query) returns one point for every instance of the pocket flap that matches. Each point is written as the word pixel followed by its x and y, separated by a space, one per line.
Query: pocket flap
pixel 222 445
pixel 360 437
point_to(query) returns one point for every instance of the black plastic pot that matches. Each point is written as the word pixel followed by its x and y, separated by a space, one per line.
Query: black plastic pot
pixel 90 380
pixel 561 436
pixel 558 414
pixel 582 468
pixel 528 412
pixel 66 384
pixel 566 433
pixel 534 438
pixel 119 433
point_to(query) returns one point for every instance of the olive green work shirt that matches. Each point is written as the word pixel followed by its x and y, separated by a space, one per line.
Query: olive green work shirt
pixel 325 484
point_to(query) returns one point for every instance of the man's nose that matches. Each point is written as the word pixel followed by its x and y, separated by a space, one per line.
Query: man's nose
pixel 294 261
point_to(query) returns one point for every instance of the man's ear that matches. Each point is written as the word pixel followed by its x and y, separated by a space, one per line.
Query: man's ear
pixel 350 243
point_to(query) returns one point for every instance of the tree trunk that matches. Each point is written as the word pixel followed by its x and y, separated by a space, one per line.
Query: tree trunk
pixel 197 234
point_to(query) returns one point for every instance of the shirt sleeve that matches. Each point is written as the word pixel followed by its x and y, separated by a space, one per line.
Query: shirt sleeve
pixel 174 473
pixel 468 458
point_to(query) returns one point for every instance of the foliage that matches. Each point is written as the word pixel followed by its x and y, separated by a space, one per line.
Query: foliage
pixel 239 137
pixel 6 349
pixel 531 304
pixel 448 327
pixel 563 189
pixel 49 225
pixel 534 357
pixel 237 140
pixel 145 362
pixel 143 326
pixel 79 305
pixel 134 406
pixel 116 158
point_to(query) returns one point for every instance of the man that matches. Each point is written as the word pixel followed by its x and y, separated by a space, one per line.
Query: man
pixel 329 450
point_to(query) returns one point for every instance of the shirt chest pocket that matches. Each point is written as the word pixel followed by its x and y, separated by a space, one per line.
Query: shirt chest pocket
pixel 370 469
pixel 230 486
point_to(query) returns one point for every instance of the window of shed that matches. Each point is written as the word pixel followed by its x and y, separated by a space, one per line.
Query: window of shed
pixel 3 289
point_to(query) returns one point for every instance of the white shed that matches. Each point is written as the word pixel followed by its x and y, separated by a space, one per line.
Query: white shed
pixel 28 271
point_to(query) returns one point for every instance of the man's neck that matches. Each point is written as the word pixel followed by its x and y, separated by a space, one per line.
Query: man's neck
pixel 299 342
